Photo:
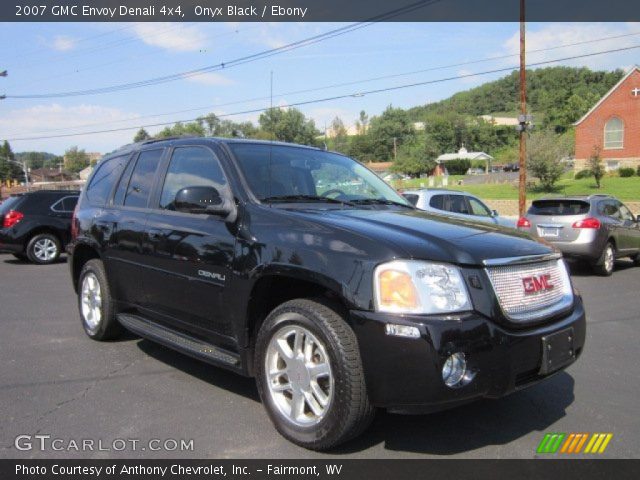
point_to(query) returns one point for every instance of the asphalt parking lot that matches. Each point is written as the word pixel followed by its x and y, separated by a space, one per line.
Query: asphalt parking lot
pixel 56 381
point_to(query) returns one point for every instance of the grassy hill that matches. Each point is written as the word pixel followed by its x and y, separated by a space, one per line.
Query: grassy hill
pixel 558 95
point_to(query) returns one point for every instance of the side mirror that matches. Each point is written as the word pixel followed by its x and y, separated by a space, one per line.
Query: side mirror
pixel 204 200
pixel 494 213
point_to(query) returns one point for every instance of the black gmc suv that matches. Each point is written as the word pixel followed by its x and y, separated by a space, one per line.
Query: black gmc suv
pixel 302 268
pixel 36 226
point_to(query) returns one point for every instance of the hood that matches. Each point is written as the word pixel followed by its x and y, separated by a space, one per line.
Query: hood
pixel 422 235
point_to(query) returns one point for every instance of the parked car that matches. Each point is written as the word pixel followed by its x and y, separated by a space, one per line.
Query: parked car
pixel 457 204
pixel 337 299
pixel 512 167
pixel 596 228
pixel 36 226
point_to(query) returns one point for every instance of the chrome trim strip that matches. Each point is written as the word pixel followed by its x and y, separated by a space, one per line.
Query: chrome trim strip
pixel 494 262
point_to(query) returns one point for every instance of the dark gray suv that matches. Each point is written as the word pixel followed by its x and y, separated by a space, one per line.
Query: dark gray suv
pixel 595 228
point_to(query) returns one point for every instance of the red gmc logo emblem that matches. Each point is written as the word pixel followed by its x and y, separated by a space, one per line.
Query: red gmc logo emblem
pixel 537 283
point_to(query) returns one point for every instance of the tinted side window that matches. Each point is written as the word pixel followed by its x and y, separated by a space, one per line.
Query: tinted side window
pixel 65 204
pixel 412 197
pixel 625 213
pixel 104 178
pixel 121 189
pixel 610 209
pixel 69 203
pixel 458 204
pixel 478 208
pixel 191 167
pixel 142 178
pixel 437 201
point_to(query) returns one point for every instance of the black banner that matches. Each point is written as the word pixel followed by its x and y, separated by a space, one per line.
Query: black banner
pixel 582 469
pixel 316 10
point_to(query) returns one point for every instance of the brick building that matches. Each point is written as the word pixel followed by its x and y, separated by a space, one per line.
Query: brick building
pixel 613 125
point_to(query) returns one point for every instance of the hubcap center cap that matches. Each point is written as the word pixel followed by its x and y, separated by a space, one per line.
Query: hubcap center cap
pixel 299 375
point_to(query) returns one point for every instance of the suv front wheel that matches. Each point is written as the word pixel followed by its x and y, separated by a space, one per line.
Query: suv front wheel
pixel 95 304
pixel 309 375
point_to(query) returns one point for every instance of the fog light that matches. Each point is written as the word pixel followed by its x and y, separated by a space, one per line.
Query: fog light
pixel 401 331
pixel 454 370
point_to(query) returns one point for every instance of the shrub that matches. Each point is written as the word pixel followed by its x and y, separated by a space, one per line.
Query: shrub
pixel 458 166
pixel 626 172
pixel 582 174
pixel 638 172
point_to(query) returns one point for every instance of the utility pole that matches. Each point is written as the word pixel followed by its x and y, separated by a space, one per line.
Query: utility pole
pixel 522 118
pixel 3 73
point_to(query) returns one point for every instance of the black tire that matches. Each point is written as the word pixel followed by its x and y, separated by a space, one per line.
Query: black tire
pixel 105 326
pixel 604 266
pixel 636 259
pixel 43 249
pixel 20 256
pixel 349 412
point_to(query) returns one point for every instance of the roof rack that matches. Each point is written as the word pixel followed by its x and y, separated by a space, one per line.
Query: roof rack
pixel 175 137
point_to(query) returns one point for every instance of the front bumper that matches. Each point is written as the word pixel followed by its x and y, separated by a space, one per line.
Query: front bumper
pixel 405 375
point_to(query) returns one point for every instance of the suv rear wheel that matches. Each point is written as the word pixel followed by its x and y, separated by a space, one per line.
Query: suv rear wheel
pixel 44 248
pixel 95 304
pixel 310 375
pixel 607 261
pixel 636 259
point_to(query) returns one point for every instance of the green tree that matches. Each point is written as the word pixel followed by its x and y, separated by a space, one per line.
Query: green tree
pixel 362 123
pixel 339 134
pixel 216 127
pixel 394 123
pixel 141 136
pixel 8 169
pixel 415 158
pixel 288 125
pixel 76 159
pixel 191 129
pixel 595 166
pixel 544 152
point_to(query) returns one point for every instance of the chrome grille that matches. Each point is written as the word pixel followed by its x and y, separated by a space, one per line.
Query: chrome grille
pixel 508 282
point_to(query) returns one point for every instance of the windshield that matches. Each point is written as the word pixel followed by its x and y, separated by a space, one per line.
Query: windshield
pixel 276 171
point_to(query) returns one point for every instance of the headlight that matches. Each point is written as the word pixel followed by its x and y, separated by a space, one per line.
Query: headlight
pixel 413 286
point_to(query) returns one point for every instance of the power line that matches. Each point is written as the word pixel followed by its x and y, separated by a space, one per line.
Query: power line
pixel 102 65
pixel 80 40
pixel 343 84
pixel 238 61
pixel 339 97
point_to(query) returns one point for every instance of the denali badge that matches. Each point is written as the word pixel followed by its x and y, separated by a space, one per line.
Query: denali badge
pixel 211 275
pixel 537 283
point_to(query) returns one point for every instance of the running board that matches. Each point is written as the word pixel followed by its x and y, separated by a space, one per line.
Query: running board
pixel 179 341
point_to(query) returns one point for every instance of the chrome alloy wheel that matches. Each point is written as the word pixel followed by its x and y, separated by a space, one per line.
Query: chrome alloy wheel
pixel 45 250
pixel 609 258
pixel 298 374
pixel 91 301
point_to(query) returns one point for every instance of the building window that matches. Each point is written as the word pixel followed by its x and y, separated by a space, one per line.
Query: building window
pixel 613 165
pixel 613 133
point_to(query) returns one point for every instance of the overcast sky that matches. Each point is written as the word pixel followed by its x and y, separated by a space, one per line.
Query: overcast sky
pixel 48 57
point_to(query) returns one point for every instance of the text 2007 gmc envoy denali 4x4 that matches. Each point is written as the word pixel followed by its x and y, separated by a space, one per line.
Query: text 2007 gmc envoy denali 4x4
pixel 304 269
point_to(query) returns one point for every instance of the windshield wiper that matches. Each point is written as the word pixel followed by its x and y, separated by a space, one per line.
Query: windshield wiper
pixel 305 198
pixel 380 201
